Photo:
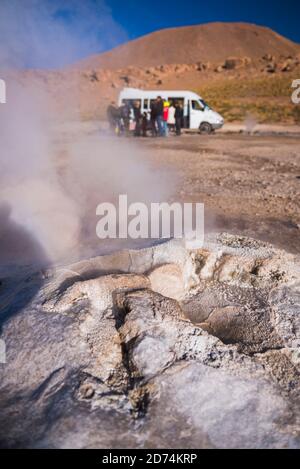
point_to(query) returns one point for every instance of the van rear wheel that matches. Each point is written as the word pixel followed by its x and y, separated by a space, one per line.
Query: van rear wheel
pixel 205 128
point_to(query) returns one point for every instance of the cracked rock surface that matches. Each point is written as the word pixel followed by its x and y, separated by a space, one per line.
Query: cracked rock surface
pixel 157 348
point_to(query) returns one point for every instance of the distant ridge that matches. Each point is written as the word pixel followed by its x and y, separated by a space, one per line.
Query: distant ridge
pixel 211 42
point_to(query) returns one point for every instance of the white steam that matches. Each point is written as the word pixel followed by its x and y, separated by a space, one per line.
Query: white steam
pixel 51 181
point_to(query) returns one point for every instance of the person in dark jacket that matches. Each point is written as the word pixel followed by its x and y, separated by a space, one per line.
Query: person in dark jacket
pixel 178 118
pixel 159 115
pixel 144 124
pixel 137 118
pixel 153 116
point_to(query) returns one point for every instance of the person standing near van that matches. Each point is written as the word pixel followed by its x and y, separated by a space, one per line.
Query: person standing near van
pixel 144 124
pixel 178 118
pixel 153 116
pixel 165 118
pixel 171 117
pixel 125 116
pixel 137 118
pixel 159 115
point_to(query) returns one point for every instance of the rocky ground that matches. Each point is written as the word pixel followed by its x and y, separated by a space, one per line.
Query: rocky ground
pixel 161 347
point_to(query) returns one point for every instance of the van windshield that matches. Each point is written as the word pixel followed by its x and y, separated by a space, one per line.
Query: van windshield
pixel 204 104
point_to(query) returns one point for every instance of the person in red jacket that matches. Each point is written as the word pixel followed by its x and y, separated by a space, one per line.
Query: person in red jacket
pixel 165 118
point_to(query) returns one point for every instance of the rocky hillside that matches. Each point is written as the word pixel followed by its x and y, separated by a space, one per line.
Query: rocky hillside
pixel 236 87
pixel 210 42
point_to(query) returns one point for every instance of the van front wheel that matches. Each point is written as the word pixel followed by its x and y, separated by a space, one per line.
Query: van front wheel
pixel 205 128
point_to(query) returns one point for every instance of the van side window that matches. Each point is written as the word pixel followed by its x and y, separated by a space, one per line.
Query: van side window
pixel 196 106
pixel 179 100
pixel 131 102
pixel 146 103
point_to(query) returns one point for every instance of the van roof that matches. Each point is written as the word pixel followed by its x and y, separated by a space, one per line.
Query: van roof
pixel 135 93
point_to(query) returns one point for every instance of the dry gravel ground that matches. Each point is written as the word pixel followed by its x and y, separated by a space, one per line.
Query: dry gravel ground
pixel 250 184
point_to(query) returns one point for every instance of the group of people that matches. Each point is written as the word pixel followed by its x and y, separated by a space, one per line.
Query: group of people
pixel 119 118
pixel 165 117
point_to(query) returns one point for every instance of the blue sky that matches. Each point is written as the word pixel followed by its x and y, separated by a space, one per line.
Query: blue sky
pixel 139 17
pixel 54 33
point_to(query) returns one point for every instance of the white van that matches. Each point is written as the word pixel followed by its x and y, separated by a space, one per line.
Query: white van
pixel 197 113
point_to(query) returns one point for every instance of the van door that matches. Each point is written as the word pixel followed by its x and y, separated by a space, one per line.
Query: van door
pixel 196 113
pixel 183 103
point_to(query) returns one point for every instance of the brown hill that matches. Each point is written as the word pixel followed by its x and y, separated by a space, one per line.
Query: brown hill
pixel 212 42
